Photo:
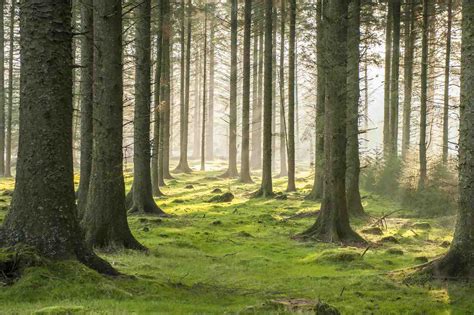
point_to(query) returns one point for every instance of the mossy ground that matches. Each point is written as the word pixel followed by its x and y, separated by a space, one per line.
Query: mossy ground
pixel 225 257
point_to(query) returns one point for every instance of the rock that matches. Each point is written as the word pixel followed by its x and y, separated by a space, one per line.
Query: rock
pixel 389 239
pixel 216 191
pixel 326 309
pixel 445 244
pixel 394 251
pixel 373 231
pixel 226 197
pixel 189 186
pixel 422 226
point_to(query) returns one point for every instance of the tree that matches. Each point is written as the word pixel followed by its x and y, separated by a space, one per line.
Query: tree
pixel 8 144
pixel 183 166
pixel 210 123
pixel 105 219
pixel 459 260
pixel 2 91
pixel 317 190
pixel 408 75
pixel 245 155
pixel 388 61
pixel 424 95
pixel 232 167
pixel 87 72
pixel 266 188
pixel 332 224
pixel 354 203
pixel 42 213
pixel 447 70
pixel 395 74
pixel 291 98
pixel 142 196
pixel 283 163
pixel 204 95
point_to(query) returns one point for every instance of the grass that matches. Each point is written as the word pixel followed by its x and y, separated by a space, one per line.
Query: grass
pixel 227 257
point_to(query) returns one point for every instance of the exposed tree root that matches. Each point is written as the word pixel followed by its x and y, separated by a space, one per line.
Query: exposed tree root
pixel 229 174
pixel 149 208
pixel 182 169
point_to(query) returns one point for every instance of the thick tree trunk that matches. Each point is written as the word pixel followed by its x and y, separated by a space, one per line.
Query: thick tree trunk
pixel 245 154
pixel 87 72
pixel 232 168
pixel 447 70
pixel 183 166
pixel 317 190
pixel 354 203
pixel 210 116
pixel 8 140
pixel 2 90
pixel 424 96
pixel 332 224
pixel 274 81
pixel 459 261
pixel 388 61
pixel 43 208
pixel 410 36
pixel 142 190
pixel 283 148
pixel 266 189
pixel 291 98
pixel 105 220
pixel 395 75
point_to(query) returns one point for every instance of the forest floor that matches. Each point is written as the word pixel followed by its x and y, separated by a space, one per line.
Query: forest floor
pixel 239 256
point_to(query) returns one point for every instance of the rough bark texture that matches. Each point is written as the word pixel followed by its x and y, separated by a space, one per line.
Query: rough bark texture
pixel 388 60
pixel 87 72
pixel 332 224
pixel 459 261
pixel 317 190
pixel 204 97
pixel 183 166
pixel 447 70
pixel 395 75
pixel 424 95
pixel 245 154
pixel 283 149
pixel 232 168
pixel 43 210
pixel 210 123
pixel 354 203
pixel 291 98
pixel 266 189
pixel 8 140
pixel 408 75
pixel 142 190
pixel 105 220
pixel 2 90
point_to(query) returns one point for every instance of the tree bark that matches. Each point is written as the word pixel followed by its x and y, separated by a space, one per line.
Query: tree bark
pixel 424 96
pixel 8 144
pixel 204 95
pixel 354 203
pixel 332 224
pixel 388 61
pixel 447 70
pixel 245 154
pixel 232 167
pixel 291 98
pixel 395 75
pixel 43 207
pixel 210 123
pixel 105 220
pixel 142 190
pixel 2 90
pixel 283 148
pixel 183 166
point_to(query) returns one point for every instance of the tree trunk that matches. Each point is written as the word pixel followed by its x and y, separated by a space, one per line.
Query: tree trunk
pixel 354 203
pixel 408 75
pixel 283 148
pixel 266 189
pixel 204 100
pixel 291 98
pixel 87 72
pixel 105 220
pixel 232 168
pixel 332 224
pixel 2 90
pixel 245 154
pixel 317 190
pixel 43 208
pixel 183 166
pixel 424 95
pixel 395 74
pixel 8 144
pixel 210 116
pixel 197 104
pixel 447 70
pixel 274 81
pixel 142 190
pixel 388 60
pixel 458 263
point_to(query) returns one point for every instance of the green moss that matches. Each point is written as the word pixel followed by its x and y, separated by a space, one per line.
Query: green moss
pixel 195 266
